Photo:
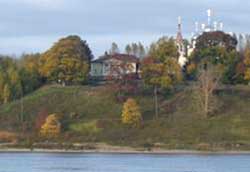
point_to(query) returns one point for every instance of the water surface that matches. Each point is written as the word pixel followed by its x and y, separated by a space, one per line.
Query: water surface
pixel 74 162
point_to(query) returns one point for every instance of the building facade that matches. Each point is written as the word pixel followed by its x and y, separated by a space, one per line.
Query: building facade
pixel 112 65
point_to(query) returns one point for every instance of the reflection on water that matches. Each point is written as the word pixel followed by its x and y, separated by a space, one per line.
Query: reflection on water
pixel 66 162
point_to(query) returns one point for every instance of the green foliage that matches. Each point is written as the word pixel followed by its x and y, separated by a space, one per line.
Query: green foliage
pixel 29 72
pixel 136 49
pixel 247 63
pixel 68 61
pixel 114 49
pixel 161 69
pixel 217 48
pixel 163 49
pixel 10 80
pixel 86 128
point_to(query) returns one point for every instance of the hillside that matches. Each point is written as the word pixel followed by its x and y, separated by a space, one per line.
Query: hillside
pixel 93 115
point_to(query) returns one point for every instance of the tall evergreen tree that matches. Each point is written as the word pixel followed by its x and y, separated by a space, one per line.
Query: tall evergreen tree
pixel 128 49
pixel 114 49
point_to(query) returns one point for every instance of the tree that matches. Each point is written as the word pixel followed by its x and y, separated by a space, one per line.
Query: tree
pixel 114 49
pixel 161 69
pixel 131 114
pixel 215 39
pixel 160 75
pixel 164 48
pixel 142 51
pixel 123 80
pixel 68 61
pixel 6 93
pixel 216 48
pixel 29 72
pixel 128 49
pixel 52 127
pixel 208 82
pixel 247 63
pixel 135 49
pixel 41 119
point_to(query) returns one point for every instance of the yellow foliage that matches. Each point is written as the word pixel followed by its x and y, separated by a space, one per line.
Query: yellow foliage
pixel 247 74
pixel 247 64
pixel 52 126
pixel 131 114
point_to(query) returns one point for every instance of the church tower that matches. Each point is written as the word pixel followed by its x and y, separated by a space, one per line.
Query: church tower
pixel 179 37
pixel 180 44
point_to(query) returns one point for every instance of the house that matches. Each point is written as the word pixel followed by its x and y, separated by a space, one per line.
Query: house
pixel 112 65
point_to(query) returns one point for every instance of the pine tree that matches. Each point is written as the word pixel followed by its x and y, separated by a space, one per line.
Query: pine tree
pixel 142 51
pixel 128 49
pixel 114 49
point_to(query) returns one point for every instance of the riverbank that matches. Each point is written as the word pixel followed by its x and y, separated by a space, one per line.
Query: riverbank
pixel 107 149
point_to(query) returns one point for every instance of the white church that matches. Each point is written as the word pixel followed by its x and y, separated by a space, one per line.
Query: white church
pixel 209 26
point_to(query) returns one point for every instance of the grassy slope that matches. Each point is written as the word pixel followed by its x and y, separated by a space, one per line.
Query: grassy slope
pixel 181 128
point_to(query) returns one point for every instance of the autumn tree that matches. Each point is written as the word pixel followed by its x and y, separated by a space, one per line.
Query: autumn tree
pixel 208 81
pixel 41 119
pixel 52 126
pixel 247 63
pixel 6 94
pixel 67 62
pixel 29 72
pixel 161 69
pixel 10 81
pixel 131 114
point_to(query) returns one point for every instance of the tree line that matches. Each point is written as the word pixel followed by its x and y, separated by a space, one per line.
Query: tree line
pixel 68 62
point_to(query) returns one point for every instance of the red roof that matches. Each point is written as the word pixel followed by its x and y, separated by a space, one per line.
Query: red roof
pixel 121 57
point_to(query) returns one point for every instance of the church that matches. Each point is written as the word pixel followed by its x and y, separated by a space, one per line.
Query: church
pixel 186 50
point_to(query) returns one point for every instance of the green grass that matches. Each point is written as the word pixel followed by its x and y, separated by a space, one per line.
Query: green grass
pixel 180 125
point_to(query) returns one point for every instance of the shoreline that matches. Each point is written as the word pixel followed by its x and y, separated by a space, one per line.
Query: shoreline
pixel 122 151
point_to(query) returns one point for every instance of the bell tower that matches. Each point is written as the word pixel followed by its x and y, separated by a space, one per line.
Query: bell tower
pixel 180 44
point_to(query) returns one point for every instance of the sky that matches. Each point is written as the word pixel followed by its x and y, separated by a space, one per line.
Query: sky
pixel 29 26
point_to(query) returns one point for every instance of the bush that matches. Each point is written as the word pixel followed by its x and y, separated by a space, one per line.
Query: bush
pixel 52 126
pixel 131 114
pixel 85 127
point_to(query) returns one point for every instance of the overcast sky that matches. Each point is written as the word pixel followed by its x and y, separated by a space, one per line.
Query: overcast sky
pixel 34 25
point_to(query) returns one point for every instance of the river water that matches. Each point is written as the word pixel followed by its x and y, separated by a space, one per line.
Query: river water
pixel 76 162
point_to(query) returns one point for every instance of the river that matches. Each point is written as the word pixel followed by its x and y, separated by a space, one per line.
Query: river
pixel 77 162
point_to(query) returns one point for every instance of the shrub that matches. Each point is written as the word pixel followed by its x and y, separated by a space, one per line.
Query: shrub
pixel 131 114
pixel 85 127
pixel 52 126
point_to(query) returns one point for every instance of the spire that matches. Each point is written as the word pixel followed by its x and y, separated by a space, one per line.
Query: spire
pixel 221 26
pixel 179 38
pixel 209 14
pixel 203 26
pixel 215 26
pixel 197 27
pixel 179 24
